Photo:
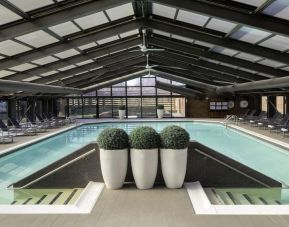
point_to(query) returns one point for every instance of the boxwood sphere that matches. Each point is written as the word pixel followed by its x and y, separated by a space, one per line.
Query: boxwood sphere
pixel 174 137
pixel 144 138
pixel 113 139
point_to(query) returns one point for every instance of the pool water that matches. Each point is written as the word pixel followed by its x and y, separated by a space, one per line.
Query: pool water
pixel 257 154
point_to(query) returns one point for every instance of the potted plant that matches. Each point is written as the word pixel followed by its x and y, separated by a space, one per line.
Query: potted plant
pixel 174 149
pixel 144 143
pixel 121 112
pixel 160 111
pixel 113 144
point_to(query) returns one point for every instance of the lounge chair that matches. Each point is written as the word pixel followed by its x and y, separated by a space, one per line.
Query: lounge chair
pixel 262 123
pixel 251 119
pixel 278 125
pixel 6 138
pixel 248 115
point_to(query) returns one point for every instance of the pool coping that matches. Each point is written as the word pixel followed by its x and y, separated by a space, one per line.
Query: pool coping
pixel 202 205
pixel 83 205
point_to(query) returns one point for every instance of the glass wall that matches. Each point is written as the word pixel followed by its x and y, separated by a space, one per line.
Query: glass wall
pixel 264 103
pixel 139 95
pixel 280 104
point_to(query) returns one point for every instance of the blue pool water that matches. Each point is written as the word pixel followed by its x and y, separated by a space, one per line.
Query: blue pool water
pixel 257 154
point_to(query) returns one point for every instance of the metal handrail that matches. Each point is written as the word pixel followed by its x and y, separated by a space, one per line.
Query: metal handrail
pixel 9 187
pixel 230 117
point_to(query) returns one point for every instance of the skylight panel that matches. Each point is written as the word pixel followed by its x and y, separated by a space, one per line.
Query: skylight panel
pixel 221 25
pixel 45 60
pixel 28 5
pixel 23 67
pixel 182 38
pixel 229 65
pixel 279 8
pixel 49 73
pixel 67 53
pixel 248 57
pixel 250 35
pixel 92 20
pixel 277 42
pixel 37 39
pixel 164 11
pixel 11 48
pixel 7 16
pixel 161 33
pixel 271 63
pixel 120 11
pixel 84 62
pixel 286 68
pixel 64 29
pixel 4 73
pixel 67 68
pixel 29 79
pixel 251 2
pixel 192 18
pixel 107 40
pixel 87 46
pixel 205 44
pixel 225 51
pixel 129 33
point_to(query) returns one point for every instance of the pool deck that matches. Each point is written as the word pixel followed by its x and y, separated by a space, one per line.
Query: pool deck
pixel 159 207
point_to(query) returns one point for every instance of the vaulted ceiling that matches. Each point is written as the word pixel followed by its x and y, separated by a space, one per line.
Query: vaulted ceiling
pixel 81 43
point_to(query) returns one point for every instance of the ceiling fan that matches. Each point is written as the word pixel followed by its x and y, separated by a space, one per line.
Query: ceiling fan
pixel 143 47
pixel 148 66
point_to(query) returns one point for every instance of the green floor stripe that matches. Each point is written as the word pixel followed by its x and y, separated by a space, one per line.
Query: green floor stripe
pixel 70 196
pixel 56 197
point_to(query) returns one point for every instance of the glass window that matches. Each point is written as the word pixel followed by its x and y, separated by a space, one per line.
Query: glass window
pixel 61 107
pixel 118 91
pixel 105 107
pixel 89 108
pixel 133 82
pixel 163 92
pixel 178 107
pixel 133 91
pixel 280 104
pixel 75 107
pixel 148 81
pixel 116 103
pixel 134 107
pixel 104 92
pixel 167 102
pixel 264 103
pixel 148 91
pixel 149 107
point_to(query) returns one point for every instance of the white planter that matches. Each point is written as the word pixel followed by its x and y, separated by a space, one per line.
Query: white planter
pixel 114 167
pixel 121 114
pixel 174 166
pixel 144 165
pixel 160 113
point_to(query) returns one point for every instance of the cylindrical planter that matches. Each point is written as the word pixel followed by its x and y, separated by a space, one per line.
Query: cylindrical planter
pixel 160 113
pixel 121 114
pixel 114 167
pixel 174 166
pixel 144 165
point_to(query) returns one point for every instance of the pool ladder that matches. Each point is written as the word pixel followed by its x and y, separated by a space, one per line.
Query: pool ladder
pixel 230 118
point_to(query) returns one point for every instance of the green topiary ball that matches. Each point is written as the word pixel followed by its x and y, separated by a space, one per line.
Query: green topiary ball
pixel 144 138
pixel 174 137
pixel 113 139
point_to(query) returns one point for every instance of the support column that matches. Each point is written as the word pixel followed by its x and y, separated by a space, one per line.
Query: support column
pixel 31 112
pixel 11 110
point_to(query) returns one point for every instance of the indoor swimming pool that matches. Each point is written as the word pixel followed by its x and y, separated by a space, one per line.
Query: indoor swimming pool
pixel 262 156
